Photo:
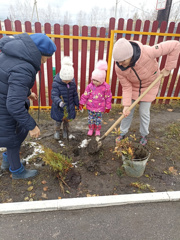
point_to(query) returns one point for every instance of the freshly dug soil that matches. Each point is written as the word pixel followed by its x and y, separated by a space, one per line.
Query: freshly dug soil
pixel 98 171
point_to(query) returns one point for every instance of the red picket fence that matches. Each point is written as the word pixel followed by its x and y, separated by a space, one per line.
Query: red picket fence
pixel 93 44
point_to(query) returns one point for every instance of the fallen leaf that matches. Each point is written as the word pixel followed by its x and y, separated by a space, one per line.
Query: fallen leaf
pixel 31 195
pixel 173 171
pixel 146 175
pixel 112 158
pixel 59 197
pixel 44 195
pixel 105 122
pixel 44 182
pixel 31 199
pixel 30 188
pixel 29 182
pixel 89 195
pixel 67 191
pixel 45 189
pixel 9 200
pixel 111 119
pixel 26 199
pixel 170 110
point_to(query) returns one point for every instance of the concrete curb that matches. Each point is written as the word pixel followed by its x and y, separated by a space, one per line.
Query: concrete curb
pixel 87 202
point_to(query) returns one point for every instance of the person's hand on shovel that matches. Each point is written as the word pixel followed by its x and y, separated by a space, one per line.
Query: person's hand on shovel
pixel 165 72
pixel 125 111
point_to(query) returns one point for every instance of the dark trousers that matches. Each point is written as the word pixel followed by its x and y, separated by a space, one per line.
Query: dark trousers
pixel 13 152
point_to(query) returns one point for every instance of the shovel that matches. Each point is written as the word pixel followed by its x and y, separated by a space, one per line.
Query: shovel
pixel 98 143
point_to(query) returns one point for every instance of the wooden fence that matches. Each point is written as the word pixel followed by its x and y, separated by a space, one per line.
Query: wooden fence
pixel 93 44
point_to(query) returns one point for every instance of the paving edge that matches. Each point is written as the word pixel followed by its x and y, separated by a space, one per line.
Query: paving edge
pixel 87 202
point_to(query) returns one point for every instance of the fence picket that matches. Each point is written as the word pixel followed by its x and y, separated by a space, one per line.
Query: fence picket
pixel 43 90
pixel 76 53
pixel 47 28
pixel 83 60
pixel 92 52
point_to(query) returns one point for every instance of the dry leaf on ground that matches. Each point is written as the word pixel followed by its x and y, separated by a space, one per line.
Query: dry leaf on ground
pixel 30 188
pixel 173 171
pixel 44 182
pixel 45 189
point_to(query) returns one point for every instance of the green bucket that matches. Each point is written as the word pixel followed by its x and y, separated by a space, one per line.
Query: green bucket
pixel 135 167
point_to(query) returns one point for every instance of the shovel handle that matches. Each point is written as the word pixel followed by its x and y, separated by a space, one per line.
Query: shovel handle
pixel 133 105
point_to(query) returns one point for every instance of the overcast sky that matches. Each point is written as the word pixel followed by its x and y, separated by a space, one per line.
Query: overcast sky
pixel 74 6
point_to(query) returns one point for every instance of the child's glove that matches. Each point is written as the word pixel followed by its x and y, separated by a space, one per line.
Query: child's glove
pixel 62 104
pixel 107 110
pixel 81 108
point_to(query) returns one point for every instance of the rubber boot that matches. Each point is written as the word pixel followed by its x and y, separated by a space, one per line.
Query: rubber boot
pixel 57 130
pixel 57 135
pixel 98 128
pixel 5 164
pixel 65 130
pixel 91 130
pixel 23 173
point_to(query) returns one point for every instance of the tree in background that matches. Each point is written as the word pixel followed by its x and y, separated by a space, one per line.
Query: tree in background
pixel 22 10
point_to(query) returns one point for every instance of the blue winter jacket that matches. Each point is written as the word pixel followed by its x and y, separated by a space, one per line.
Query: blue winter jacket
pixel 69 95
pixel 20 60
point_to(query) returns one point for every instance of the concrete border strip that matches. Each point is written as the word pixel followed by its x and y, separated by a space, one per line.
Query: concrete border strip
pixel 87 202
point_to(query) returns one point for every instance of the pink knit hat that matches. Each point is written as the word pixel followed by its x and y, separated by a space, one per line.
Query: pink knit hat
pixel 99 74
pixel 122 50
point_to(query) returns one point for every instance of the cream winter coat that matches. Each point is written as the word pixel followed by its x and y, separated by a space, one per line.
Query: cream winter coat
pixel 147 69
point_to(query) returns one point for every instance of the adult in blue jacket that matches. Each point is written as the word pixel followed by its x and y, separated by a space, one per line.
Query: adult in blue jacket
pixel 20 59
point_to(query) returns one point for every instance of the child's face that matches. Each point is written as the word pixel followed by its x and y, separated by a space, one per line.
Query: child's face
pixel 66 81
pixel 96 83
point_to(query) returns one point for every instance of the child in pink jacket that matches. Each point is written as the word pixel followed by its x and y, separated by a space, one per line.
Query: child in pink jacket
pixel 136 68
pixel 97 97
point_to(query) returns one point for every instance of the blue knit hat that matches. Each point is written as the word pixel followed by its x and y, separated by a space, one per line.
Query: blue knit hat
pixel 44 44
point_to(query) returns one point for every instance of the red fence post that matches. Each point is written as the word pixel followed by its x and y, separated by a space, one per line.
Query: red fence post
pixel 137 28
pixel 111 27
pixel 57 31
pixel 114 76
pixel 145 29
pixel 92 52
pixel 66 41
pixel 102 34
pixel 47 28
pixel 43 92
pixel 7 24
pixel 83 60
pixel 18 26
pixel 76 53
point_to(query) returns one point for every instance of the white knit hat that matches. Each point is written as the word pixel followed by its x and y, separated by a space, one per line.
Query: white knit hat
pixel 67 70
pixel 122 50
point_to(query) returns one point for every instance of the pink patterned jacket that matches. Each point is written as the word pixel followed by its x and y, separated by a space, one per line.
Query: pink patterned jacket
pixel 97 99
pixel 147 69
